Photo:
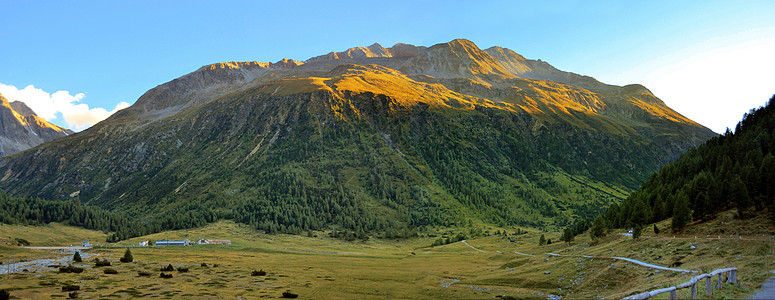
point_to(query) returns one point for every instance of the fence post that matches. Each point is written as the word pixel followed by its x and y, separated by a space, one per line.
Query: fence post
pixel 674 294
pixel 719 284
pixel 694 290
pixel 708 287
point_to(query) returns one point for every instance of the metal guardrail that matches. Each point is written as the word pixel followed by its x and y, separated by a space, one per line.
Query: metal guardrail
pixel 692 283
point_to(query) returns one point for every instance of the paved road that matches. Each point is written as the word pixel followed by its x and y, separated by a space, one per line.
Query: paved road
pixel 767 291
pixel 637 262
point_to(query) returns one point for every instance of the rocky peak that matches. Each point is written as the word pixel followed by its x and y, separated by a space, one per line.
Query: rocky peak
pixel 22 109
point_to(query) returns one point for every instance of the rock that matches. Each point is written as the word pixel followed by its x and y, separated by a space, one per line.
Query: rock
pixel 546 272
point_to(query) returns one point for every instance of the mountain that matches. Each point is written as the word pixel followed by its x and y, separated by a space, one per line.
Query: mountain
pixel 734 170
pixel 370 140
pixel 21 128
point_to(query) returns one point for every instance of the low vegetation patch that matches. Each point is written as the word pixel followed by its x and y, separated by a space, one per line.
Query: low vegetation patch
pixel 182 270
pixel 162 275
pixel 143 273
pixel 101 263
pixel 168 268
pixel 110 271
pixel 70 288
pixel 258 273
pixel 70 269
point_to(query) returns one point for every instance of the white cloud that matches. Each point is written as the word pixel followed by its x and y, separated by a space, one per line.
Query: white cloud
pixel 77 116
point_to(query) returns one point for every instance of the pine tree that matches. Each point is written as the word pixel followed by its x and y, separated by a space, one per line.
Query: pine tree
pixel 656 229
pixel 738 194
pixel 77 257
pixel 127 256
pixel 598 229
pixel 681 212
pixel 567 235
pixel 542 240
pixel 636 232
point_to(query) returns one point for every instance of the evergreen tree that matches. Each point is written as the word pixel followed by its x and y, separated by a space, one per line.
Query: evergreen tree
pixel 542 240
pixel 127 256
pixel 637 231
pixel 656 229
pixel 738 194
pixel 77 257
pixel 568 235
pixel 598 229
pixel 681 212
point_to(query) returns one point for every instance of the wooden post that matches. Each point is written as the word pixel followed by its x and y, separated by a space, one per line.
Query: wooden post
pixel 708 287
pixel 673 294
pixel 719 284
pixel 694 291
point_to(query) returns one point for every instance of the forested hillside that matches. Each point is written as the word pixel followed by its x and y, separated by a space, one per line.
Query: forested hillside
pixel 371 146
pixel 734 170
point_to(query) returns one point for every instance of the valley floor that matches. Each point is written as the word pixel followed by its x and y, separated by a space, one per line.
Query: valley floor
pixel 477 268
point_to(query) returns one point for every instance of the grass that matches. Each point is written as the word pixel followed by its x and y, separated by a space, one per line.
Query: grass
pixel 327 268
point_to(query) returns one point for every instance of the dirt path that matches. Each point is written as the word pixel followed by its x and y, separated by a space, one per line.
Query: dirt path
pixel 472 247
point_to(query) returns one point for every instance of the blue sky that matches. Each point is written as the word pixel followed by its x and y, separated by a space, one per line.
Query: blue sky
pixel 706 59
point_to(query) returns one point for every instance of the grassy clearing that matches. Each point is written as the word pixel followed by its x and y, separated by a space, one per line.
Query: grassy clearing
pixel 321 267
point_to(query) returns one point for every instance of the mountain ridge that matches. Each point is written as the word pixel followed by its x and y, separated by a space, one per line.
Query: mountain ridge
pixel 372 139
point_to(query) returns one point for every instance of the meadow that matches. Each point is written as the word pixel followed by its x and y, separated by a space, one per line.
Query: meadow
pixel 320 267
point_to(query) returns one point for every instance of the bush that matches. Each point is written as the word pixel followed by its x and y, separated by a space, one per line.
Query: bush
pixel 73 295
pixel 70 269
pixel 288 294
pixel 162 275
pixel 101 263
pixel 143 273
pixel 204 264
pixel 656 229
pixel 70 288
pixel 4 294
pixel 258 273
pixel 110 271
pixel 77 257
pixel 182 270
pixel 22 242
pixel 168 268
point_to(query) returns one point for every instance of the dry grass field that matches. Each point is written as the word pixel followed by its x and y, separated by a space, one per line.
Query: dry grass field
pixel 324 268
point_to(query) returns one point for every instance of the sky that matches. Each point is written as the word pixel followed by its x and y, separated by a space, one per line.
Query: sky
pixel 76 62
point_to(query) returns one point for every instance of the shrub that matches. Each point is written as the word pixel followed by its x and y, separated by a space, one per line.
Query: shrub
pixel 4 294
pixel 22 242
pixel 73 295
pixel 288 294
pixel 110 271
pixel 258 273
pixel 204 264
pixel 127 256
pixel 101 263
pixel 182 270
pixel 162 275
pixel 215 265
pixel 77 257
pixel 70 288
pixel 656 229
pixel 168 268
pixel 143 273
pixel 70 269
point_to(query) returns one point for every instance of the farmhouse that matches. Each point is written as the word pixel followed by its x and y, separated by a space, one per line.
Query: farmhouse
pixel 213 242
